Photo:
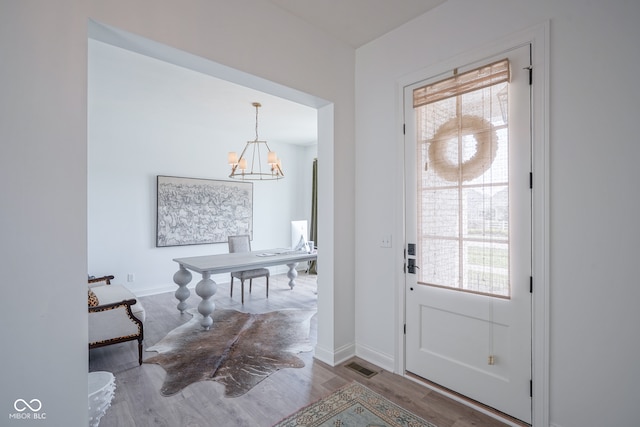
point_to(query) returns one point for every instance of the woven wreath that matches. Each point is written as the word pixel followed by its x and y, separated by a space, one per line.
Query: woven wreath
pixel 486 147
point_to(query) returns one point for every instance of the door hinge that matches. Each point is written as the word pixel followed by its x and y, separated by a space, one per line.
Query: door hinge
pixel 530 284
pixel 405 329
pixel 530 68
pixel 530 388
pixel 404 129
pixel 530 179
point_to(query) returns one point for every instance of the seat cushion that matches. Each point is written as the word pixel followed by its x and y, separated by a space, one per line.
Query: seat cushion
pixel 250 274
pixel 109 294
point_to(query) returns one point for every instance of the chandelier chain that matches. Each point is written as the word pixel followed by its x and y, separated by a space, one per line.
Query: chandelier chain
pixel 257 106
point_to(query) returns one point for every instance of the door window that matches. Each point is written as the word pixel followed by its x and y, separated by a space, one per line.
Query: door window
pixel 463 181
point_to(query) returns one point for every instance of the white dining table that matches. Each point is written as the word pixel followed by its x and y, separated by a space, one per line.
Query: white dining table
pixel 207 265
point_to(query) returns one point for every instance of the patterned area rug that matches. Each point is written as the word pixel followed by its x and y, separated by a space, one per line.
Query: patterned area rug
pixel 353 406
pixel 239 351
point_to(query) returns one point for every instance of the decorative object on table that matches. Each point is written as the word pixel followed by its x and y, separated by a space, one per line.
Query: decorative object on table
pixel 115 315
pixel 102 387
pixel 243 244
pixel 239 350
pixel 353 405
pixel 256 152
pixel 299 235
pixel 201 211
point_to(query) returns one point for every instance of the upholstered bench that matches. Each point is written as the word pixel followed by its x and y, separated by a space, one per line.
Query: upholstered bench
pixel 114 316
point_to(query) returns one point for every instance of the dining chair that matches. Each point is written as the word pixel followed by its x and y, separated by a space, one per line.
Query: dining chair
pixel 242 243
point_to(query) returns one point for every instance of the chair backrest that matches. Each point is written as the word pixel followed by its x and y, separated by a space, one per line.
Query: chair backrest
pixel 239 243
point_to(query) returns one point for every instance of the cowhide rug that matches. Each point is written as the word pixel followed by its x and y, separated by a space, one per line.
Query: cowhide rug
pixel 239 350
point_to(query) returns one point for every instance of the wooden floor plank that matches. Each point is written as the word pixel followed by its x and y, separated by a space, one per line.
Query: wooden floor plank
pixel 138 402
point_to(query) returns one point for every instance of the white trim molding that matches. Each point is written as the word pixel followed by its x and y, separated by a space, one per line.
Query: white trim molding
pixel 340 355
pixel 385 361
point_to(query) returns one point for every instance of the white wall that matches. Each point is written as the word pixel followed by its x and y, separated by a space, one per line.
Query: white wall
pixel 43 326
pixel 44 168
pixel 594 207
pixel 147 118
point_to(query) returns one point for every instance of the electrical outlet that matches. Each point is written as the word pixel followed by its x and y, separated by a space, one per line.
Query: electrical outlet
pixel 386 241
pixel 131 277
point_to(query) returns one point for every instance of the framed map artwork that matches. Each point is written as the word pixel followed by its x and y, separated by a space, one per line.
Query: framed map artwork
pixel 195 211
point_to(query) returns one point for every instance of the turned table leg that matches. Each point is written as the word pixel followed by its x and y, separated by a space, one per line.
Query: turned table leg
pixel 205 289
pixel 182 279
pixel 292 274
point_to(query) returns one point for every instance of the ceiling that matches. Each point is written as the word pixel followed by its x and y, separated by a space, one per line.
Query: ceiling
pixel 353 22
pixel 357 22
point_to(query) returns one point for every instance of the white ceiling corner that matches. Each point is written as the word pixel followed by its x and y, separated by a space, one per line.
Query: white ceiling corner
pixel 357 22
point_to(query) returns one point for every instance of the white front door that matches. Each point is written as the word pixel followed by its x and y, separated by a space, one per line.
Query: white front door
pixel 468 216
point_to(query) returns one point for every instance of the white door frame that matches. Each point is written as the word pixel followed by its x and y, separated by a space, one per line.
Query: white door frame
pixel 539 38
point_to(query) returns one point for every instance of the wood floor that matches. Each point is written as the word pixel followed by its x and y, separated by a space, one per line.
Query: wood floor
pixel 138 402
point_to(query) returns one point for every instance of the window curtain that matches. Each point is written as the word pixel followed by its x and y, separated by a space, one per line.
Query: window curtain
pixel 313 232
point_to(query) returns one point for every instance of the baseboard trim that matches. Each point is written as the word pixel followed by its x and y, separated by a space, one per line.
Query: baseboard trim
pixel 345 353
pixel 382 360
pixel 159 290
pixel 324 355
pixel 334 358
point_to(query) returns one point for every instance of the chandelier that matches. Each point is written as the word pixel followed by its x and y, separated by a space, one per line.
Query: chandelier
pixel 254 153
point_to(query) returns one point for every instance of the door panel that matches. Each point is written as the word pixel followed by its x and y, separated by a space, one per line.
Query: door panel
pixel 473 335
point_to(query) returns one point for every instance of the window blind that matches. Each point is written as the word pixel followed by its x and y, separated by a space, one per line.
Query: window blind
pixel 487 75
